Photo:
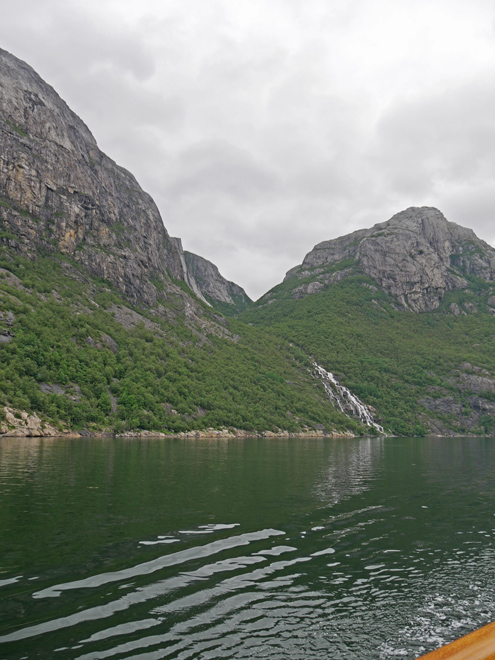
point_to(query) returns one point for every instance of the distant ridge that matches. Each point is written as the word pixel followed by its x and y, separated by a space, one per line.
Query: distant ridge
pixel 226 296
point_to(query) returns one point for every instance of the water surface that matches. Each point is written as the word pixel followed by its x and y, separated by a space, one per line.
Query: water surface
pixel 276 548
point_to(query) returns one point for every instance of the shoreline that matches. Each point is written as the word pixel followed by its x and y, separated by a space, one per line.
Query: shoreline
pixel 223 434
pixel 20 424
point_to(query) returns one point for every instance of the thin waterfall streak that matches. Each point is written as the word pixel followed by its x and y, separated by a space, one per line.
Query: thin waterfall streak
pixel 347 402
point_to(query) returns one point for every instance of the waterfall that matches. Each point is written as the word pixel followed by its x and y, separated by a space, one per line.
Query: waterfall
pixel 344 399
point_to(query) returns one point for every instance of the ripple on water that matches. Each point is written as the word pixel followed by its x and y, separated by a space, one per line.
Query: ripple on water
pixel 259 609
pixel 344 578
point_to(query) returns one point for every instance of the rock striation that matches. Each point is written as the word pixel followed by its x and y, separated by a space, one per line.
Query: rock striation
pixel 60 194
pixel 416 256
pixel 211 285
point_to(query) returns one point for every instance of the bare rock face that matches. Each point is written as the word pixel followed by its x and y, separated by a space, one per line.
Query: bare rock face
pixel 210 283
pixel 18 423
pixel 59 192
pixel 416 256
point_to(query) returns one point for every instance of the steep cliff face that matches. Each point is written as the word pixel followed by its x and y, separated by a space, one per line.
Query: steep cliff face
pixel 59 192
pixel 216 289
pixel 416 256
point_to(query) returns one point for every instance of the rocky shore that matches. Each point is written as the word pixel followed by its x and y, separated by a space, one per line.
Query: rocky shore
pixel 20 424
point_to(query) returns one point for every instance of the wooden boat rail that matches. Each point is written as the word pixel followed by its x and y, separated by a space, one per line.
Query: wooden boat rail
pixel 478 645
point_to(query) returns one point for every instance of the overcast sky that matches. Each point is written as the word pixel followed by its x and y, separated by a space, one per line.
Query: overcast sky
pixel 262 127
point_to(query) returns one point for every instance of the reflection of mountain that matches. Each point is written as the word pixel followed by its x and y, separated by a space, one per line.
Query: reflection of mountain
pixel 394 543
pixel 471 458
pixel 20 457
pixel 352 466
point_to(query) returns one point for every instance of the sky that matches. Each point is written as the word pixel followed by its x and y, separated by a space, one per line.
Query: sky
pixel 263 127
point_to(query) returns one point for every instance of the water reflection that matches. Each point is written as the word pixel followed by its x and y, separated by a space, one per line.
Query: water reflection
pixel 276 549
pixel 20 458
pixel 351 465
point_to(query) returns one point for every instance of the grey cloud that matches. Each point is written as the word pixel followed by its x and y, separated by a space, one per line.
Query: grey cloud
pixel 69 39
pixel 220 168
pixel 472 206
pixel 449 136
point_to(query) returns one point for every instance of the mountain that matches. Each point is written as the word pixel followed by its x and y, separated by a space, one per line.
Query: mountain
pixel 61 193
pixel 225 296
pixel 416 257
pixel 103 328
pixel 403 314
pixel 107 325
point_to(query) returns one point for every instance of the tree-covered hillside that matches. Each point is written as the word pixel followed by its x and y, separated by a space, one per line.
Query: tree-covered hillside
pixel 422 372
pixel 77 353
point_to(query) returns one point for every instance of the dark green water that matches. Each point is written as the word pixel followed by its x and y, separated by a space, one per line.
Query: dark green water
pixel 366 548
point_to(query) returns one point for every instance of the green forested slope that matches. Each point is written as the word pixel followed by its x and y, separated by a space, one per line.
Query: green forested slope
pixel 393 359
pixel 75 352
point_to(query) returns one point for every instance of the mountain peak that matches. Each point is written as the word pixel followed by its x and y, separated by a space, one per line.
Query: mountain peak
pixel 33 107
pixel 60 193
pixel 416 256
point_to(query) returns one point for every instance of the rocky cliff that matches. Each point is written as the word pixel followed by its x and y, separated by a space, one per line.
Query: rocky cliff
pixel 416 256
pixel 218 291
pixel 60 194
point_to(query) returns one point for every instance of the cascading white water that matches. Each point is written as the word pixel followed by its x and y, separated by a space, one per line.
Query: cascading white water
pixel 344 399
